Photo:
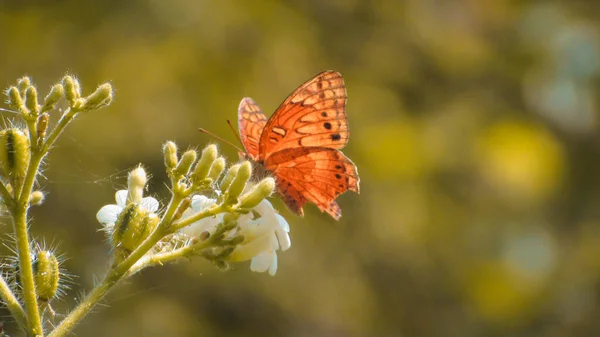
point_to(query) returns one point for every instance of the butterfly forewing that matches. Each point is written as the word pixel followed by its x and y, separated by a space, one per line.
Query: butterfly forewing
pixel 299 144
pixel 251 122
pixel 313 115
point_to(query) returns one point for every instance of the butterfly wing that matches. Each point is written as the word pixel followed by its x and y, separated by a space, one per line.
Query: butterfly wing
pixel 313 115
pixel 313 174
pixel 251 122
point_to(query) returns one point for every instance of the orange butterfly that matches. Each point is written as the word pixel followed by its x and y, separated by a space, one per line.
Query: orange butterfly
pixel 299 144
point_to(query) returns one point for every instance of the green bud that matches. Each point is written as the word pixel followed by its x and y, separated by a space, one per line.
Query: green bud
pixel 229 176
pixel 99 98
pixel 42 126
pixel 204 236
pixel 185 164
pixel 14 154
pixel 72 89
pixel 216 169
pixel 46 271
pixel 136 181
pixel 239 183
pixel 185 204
pixel 133 226
pixel 36 198
pixel 170 152
pixel 258 193
pixel 31 100
pixel 56 93
pixel 23 83
pixel 15 98
pixel 209 154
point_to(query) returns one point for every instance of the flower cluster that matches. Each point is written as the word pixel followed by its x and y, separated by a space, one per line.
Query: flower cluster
pixel 239 224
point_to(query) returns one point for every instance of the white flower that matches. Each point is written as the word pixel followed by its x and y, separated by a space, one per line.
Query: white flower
pixel 208 224
pixel 108 215
pixel 263 235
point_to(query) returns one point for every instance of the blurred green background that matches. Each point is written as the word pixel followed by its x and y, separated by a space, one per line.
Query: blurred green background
pixel 474 129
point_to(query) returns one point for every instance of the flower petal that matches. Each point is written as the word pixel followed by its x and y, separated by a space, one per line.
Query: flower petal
pixel 251 249
pixel 284 240
pixel 273 266
pixel 150 204
pixel 208 224
pixel 262 262
pixel 201 202
pixel 121 197
pixel 283 223
pixel 109 214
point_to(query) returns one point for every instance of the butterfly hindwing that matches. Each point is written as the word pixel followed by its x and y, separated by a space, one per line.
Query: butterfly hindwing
pixel 314 115
pixel 315 174
pixel 251 122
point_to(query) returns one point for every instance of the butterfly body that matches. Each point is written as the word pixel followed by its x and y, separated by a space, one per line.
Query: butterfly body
pixel 299 144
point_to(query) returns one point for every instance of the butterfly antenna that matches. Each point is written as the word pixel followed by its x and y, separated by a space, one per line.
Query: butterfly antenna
pixel 237 136
pixel 219 138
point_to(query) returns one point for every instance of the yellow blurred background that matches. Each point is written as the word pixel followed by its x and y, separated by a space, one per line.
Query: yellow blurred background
pixel 474 128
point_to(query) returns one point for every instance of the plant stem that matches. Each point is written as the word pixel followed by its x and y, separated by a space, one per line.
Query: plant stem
pixel 7 198
pixel 208 212
pixel 66 117
pixel 12 303
pixel 25 265
pixel 123 269
pixel 162 258
pixel 19 215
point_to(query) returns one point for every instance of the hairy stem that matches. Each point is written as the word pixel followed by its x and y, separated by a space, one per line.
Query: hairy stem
pixel 123 269
pixel 12 303
pixel 206 213
pixel 19 214
pixel 25 266
pixel 7 198
pixel 162 258
pixel 65 119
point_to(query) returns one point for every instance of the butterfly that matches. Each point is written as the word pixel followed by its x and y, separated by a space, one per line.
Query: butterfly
pixel 300 144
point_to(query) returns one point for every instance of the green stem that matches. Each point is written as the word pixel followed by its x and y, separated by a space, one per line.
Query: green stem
pixel 123 269
pixel 12 303
pixel 25 265
pixel 162 258
pixel 7 198
pixel 19 213
pixel 214 210
pixel 66 117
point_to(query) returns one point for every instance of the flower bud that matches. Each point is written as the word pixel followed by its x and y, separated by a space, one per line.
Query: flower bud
pixel 133 226
pixel 72 89
pixel 229 176
pixel 185 164
pixel 31 100
pixel 23 83
pixel 170 152
pixel 56 93
pixel 14 153
pixel 216 169
pixel 42 126
pixel 136 181
pixel 36 198
pixel 185 204
pixel 239 183
pixel 99 98
pixel 258 193
pixel 46 271
pixel 209 154
pixel 15 98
